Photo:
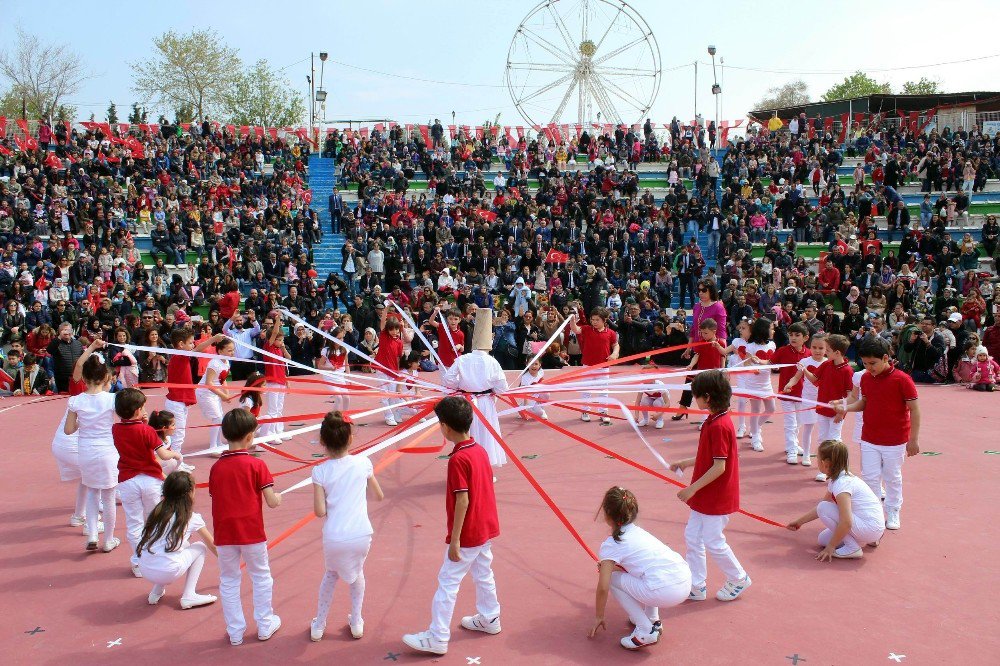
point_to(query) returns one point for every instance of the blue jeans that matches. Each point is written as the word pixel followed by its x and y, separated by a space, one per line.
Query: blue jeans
pixel 713 244
pixel 692 228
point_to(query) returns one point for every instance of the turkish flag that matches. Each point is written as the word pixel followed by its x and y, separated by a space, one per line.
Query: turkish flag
pixel 23 125
pixel 425 133
pixel 3 125
pixel 26 144
pixel 259 131
pixel 556 257
pixel 4 150
pixel 479 132
pixel 6 381
pixel 487 215
pixel 53 162
pixel 844 122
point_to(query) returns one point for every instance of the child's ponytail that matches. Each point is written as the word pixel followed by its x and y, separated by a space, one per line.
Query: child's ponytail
pixel 176 506
pixel 621 506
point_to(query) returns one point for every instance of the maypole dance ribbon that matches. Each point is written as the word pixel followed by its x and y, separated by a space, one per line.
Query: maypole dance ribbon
pixel 417 332
pixel 543 349
pixel 534 484
pixel 584 369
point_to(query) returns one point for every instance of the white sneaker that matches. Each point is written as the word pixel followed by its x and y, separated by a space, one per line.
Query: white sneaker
pixel 792 459
pixel 274 628
pixel 583 417
pixel 425 642
pixel 698 594
pixel 757 443
pixel 806 461
pixel 316 631
pixel 77 521
pixel 204 600
pixel 184 467
pixel 357 628
pixel 135 571
pixel 111 545
pixel 659 424
pixel 733 589
pixel 642 423
pixel 742 432
pixel 605 420
pixel 821 477
pixel 798 449
pixel 478 622
pixel 854 555
pixel 391 422
pixel 545 417
pixel 892 519
pixel 154 596
pixel 637 640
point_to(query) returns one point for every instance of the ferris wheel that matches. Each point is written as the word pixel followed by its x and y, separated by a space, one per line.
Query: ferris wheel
pixel 581 61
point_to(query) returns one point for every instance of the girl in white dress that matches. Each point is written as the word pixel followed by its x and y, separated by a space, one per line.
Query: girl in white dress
pixel 850 512
pixel 333 359
pixel 533 375
pixel 92 414
pixel 736 358
pixel 211 397
pixel 340 488
pixel 65 448
pixel 165 551
pixel 642 573
pixel 806 418
pixel 760 349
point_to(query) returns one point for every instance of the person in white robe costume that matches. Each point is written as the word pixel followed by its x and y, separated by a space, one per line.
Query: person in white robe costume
pixel 480 376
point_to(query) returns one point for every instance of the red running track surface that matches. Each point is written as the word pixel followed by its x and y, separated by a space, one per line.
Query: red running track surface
pixel 925 593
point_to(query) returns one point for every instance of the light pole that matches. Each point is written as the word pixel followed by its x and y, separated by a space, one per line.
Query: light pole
pixel 716 91
pixel 320 97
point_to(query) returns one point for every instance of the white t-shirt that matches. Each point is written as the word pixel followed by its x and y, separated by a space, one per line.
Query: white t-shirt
pixel 865 506
pixel 760 380
pixel 859 417
pixel 159 547
pixel 345 481
pixel 528 379
pixel 95 414
pixel 810 391
pixel 220 366
pixel 643 555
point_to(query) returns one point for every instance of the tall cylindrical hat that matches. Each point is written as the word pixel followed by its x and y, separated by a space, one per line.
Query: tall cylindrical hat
pixel 482 336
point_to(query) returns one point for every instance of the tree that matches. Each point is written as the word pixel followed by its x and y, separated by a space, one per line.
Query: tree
pixel 924 86
pixel 857 84
pixel 184 114
pixel 792 93
pixel 195 70
pixel 262 97
pixel 112 114
pixel 41 76
pixel 137 115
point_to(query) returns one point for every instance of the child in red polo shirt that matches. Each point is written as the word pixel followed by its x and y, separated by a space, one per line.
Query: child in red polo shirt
pixel 707 357
pixel 236 483
pixel 390 349
pixel 714 492
pixel 472 525
pixel 140 477
pixel 892 424
pixel 835 381
pixel 275 376
pixel 451 340
pixel 791 355
pixel 598 344
pixel 179 400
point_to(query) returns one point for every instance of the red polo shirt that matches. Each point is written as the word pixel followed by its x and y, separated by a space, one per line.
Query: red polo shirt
pixel 834 382
pixel 136 441
pixel 448 353
pixel 887 412
pixel 469 471
pixel 235 483
pixel 275 371
pixel 717 441
pixel 389 351
pixel 787 354
pixel 596 345
pixel 709 357
pixel 179 372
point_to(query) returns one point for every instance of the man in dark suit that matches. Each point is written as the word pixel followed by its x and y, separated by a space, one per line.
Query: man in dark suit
pixel 336 210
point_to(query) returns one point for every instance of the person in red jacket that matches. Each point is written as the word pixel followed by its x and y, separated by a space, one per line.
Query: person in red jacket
pixel 229 302
pixel 829 278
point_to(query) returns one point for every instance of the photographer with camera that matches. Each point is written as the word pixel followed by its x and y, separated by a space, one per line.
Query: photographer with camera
pixel 925 347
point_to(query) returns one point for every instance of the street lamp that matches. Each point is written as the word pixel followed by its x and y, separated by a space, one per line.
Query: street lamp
pixel 716 90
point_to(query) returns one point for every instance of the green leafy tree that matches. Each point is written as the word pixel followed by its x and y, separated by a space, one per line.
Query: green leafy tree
pixel 857 84
pixel 792 93
pixel 112 114
pixel 191 71
pixel 924 86
pixel 41 76
pixel 185 113
pixel 263 97
pixel 137 115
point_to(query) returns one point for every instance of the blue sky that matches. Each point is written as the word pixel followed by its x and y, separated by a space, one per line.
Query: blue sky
pixel 467 42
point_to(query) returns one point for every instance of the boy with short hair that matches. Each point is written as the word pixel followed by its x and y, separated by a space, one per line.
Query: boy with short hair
pixel 706 357
pixel 30 379
pixel 891 427
pixel 179 400
pixel 834 379
pixel 714 492
pixel 237 483
pixel 140 476
pixel 472 525
pixel 598 344
pixel 275 376
pixel 791 355
pixel 450 337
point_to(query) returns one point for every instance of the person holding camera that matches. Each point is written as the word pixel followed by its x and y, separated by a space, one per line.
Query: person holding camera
pixel 925 347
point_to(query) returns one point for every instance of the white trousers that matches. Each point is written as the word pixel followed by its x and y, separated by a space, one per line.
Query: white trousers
pixel 883 465
pixel 180 412
pixel 601 374
pixel 642 603
pixel 161 570
pixel 791 428
pixel 704 533
pixel 646 401
pixel 274 407
pixel 139 495
pixel 861 532
pixel 388 387
pixel 230 578
pixel 478 561
pixel 211 408
pixel 827 428
pixel 535 402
